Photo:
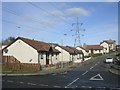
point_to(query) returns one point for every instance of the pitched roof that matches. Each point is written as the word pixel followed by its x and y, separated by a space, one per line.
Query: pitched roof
pixel 94 47
pixel 108 41
pixel 71 50
pixel 75 50
pixel 38 45
pixel 83 48
pixel 67 49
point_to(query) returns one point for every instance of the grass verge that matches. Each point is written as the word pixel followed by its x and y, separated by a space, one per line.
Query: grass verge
pixel 96 55
pixel 15 70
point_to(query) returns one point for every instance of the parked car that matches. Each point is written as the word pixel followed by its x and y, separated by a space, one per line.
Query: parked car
pixel 109 59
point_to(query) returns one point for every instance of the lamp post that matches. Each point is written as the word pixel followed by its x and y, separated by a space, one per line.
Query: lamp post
pixel 62 52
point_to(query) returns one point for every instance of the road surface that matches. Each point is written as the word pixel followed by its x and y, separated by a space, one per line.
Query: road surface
pixel 90 74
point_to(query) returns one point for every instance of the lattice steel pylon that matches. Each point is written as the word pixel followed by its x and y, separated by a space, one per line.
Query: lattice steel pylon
pixel 77 33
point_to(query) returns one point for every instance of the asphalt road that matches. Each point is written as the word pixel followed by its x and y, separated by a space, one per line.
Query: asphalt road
pixel 90 74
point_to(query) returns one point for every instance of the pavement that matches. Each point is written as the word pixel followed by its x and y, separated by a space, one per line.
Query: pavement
pixel 45 71
pixel 114 71
pixel 53 70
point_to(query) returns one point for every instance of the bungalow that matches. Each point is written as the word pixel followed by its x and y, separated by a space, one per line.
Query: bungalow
pixel 109 45
pixel 78 55
pixel 85 53
pixel 32 51
pixel 94 49
pixel 69 54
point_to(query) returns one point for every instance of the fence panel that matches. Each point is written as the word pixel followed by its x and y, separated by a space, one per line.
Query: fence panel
pixel 13 63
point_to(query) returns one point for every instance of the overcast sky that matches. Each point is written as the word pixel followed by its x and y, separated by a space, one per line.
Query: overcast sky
pixel 49 22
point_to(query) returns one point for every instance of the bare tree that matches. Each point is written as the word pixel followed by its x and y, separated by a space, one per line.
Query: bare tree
pixel 8 40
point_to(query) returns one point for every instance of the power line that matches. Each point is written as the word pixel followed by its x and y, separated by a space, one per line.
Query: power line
pixel 26 18
pixel 26 26
pixel 16 14
pixel 34 5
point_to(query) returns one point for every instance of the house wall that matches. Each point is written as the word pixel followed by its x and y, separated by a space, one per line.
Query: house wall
pixel 78 58
pixel 84 52
pixel 97 51
pixel 55 58
pixel 42 58
pixel 22 52
pixel 105 45
pixel 112 46
pixel 64 55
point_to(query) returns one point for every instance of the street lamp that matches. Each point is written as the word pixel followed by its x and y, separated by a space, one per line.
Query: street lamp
pixel 62 52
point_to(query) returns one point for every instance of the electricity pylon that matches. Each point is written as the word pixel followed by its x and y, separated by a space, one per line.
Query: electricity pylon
pixel 77 33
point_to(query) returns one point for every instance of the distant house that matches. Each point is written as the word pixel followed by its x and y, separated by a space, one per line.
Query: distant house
pixel 78 55
pixel 85 52
pixel 32 51
pixel 94 49
pixel 109 45
pixel 69 54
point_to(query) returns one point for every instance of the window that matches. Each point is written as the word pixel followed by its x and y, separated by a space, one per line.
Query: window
pixel 78 56
pixel 41 55
pixel 56 56
pixel 52 54
pixel 30 60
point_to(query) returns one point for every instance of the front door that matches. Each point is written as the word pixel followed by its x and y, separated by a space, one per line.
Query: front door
pixel 47 58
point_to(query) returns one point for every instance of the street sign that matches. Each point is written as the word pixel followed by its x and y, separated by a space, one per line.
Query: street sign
pixel 96 77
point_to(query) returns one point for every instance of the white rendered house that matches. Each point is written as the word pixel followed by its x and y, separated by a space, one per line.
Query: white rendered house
pixel 85 53
pixel 32 51
pixel 69 54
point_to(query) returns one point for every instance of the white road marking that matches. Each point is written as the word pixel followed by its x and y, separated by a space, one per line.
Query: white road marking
pixel 72 82
pixel 91 68
pixel 73 86
pixel 64 72
pixel 85 73
pixel 94 77
pixel 43 85
pixel 21 82
pixel 10 81
pixel 57 86
pixel 101 87
pixel 31 83
pixel 86 86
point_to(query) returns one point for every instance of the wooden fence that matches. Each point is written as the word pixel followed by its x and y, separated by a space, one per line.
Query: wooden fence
pixel 12 63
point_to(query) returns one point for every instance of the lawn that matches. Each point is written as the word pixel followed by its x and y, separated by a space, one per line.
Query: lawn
pixel 96 55
pixel 15 70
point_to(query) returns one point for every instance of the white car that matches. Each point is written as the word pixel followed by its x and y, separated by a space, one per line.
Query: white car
pixel 109 60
